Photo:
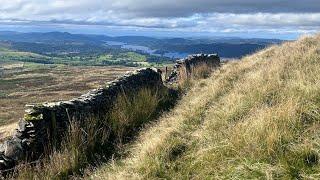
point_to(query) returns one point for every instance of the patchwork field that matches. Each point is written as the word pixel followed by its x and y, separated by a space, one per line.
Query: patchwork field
pixel 25 83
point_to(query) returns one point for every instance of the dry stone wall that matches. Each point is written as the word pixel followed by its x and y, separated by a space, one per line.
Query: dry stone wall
pixel 45 124
pixel 186 66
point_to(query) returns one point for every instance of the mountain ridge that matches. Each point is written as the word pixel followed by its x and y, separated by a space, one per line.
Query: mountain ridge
pixel 226 47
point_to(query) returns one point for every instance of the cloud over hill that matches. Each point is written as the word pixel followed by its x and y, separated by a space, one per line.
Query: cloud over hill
pixel 281 16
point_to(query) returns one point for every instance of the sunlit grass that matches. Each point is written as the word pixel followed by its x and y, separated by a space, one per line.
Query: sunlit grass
pixel 253 119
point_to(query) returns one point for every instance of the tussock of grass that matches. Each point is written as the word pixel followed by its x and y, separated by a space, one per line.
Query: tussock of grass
pixel 131 111
pixel 83 143
pixel 253 119
pixel 201 71
pixel 187 79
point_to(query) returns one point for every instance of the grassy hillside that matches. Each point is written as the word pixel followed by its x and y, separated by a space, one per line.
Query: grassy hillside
pixel 256 118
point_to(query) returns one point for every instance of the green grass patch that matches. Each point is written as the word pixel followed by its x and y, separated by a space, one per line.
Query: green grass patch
pixel 133 57
pixel 3 94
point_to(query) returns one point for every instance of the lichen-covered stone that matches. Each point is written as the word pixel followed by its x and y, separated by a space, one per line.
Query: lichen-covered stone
pixel 31 117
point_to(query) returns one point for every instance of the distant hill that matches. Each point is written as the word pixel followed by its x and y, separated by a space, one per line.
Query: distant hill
pixel 226 47
pixel 50 37
pixel 227 50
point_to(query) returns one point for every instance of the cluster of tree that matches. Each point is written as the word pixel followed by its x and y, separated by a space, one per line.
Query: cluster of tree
pixel 39 60
pixel 61 49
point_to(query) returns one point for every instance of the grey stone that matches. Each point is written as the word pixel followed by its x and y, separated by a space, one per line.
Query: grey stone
pixel 2 148
pixel 22 125
pixel 13 149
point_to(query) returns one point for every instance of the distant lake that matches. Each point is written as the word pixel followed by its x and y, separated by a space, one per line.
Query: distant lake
pixel 147 50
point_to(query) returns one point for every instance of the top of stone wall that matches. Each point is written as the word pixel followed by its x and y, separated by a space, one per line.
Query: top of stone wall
pixel 197 57
pixel 34 111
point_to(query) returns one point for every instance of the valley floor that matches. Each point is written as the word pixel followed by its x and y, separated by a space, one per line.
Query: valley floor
pixel 257 118
pixel 25 83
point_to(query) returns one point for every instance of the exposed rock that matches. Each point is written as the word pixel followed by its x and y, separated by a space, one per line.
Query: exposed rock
pixel 13 149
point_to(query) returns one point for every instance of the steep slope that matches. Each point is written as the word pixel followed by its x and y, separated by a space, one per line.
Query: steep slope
pixel 257 118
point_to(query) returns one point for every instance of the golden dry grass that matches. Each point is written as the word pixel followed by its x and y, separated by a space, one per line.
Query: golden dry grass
pixel 7 130
pixel 200 71
pixel 76 151
pixel 258 118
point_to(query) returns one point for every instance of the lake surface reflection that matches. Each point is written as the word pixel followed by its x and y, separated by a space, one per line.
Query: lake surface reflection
pixel 144 49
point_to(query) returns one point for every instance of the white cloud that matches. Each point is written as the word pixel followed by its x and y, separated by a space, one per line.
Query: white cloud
pixel 181 15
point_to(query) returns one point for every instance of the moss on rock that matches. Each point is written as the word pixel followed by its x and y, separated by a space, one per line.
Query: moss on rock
pixel 32 117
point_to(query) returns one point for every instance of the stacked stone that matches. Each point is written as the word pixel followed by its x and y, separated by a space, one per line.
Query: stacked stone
pixel 1 71
pixel 190 62
pixel 44 125
pixel 15 148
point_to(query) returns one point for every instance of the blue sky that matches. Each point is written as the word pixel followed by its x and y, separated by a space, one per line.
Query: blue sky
pixel 285 19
